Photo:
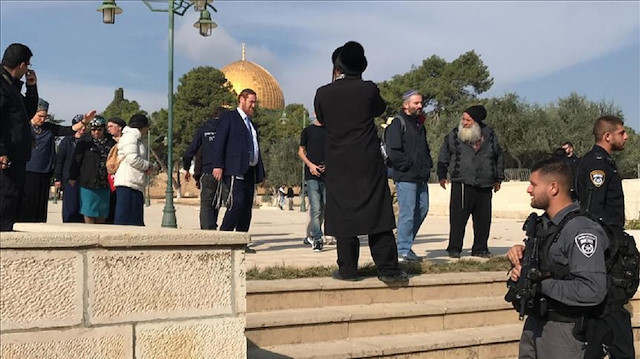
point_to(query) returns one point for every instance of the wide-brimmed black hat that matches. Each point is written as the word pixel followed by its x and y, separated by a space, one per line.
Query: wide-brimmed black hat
pixel 350 59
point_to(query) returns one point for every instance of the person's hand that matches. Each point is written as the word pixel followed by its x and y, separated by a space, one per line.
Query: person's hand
pixel 89 116
pixel 217 174
pixel 316 170
pixel 496 187
pixel 515 254
pixel 4 162
pixel 443 183
pixel 515 272
pixel 198 184
pixel 57 184
pixel 31 78
pixel 187 176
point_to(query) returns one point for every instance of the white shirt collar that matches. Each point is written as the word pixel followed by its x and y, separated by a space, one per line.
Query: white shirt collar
pixel 242 114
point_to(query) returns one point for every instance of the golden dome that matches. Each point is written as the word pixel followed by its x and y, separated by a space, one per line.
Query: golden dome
pixel 246 74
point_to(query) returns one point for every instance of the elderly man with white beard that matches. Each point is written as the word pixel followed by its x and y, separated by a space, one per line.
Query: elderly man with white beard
pixel 472 156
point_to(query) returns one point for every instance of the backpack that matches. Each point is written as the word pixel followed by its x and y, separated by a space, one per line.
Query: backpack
pixel 622 258
pixel 113 162
pixel 383 141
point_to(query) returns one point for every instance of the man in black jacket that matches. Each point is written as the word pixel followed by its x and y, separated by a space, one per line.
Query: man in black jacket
pixel 411 164
pixel 472 156
pixel 203 143
pixel 15 133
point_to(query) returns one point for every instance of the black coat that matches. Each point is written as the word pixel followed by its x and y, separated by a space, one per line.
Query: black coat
pixel 358 198
pixel 408 150
pixel 17 111
pixel 87 164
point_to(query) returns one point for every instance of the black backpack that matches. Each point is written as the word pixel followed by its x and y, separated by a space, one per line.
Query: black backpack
pixel 621 258
pixel 383 141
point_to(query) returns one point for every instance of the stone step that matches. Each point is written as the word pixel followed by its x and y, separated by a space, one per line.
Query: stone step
pixel 493 342
pixel 268 295
pixel 353 321
pixel 489 342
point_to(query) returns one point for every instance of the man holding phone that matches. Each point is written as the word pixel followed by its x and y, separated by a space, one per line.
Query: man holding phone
pixel 15 133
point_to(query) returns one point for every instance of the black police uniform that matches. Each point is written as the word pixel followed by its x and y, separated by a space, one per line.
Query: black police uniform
pixel 599 188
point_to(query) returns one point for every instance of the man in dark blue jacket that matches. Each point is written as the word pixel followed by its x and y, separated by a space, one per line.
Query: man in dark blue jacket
pixel 203 143
pixel 237 161
pixel 411 163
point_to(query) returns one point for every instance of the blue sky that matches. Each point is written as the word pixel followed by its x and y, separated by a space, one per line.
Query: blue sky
pixel 540 50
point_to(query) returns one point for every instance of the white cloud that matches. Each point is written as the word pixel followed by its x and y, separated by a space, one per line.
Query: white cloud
pixel 68 99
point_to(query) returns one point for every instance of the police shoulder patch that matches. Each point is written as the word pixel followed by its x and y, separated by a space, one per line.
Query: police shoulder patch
pixel 597 177
pixel 587 243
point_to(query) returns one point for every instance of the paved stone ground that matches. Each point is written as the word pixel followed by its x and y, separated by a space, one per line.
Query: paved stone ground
pixel 277 235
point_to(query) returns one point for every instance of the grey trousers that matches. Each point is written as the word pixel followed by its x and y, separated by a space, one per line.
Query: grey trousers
pixel 543 339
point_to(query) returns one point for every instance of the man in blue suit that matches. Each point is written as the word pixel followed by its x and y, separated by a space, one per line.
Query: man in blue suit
pixel 238 162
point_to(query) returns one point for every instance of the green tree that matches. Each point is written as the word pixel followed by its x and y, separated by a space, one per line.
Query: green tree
pixel 121 107
pixel 200 91
pixel 444 85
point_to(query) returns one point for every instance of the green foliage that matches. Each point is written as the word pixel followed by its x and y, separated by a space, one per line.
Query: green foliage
pixel 633 224
pixel 444 86
pixel 121 107
pixel 500 263
pixel 279 143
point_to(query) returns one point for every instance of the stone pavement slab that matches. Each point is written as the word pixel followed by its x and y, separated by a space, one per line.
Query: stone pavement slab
pixel 277 235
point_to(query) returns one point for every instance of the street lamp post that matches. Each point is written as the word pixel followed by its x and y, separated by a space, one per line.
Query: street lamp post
pixel 205 25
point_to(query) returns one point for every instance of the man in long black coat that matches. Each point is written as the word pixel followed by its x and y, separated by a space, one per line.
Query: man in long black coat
pixel 358 198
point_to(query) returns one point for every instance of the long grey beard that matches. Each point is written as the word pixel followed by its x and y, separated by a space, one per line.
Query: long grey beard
pixel 469 135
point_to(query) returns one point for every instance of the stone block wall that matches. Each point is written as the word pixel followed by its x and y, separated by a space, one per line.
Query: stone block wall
pixel 122 292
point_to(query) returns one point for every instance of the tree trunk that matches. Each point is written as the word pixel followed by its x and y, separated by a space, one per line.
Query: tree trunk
pixel 163 168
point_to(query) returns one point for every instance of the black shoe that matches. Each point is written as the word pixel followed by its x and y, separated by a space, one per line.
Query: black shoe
pixel 481 254
pixel 400 277
pixel 454 254
pixel 336 275
pixel 249 250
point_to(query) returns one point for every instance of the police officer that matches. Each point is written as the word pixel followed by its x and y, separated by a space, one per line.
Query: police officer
pixel 203 143
pixel 571 255
pixel 599 188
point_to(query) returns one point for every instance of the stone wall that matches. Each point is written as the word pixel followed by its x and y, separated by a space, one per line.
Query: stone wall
pixel 122 292
pixel 513 201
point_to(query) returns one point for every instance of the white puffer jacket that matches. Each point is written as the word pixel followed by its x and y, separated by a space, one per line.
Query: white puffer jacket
pixel 132 153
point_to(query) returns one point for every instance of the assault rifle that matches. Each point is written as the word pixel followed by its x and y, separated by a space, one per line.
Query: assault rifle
pixel 522 293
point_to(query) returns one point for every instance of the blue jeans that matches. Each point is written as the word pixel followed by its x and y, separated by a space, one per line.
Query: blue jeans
pixel 317 199
pixel 413 199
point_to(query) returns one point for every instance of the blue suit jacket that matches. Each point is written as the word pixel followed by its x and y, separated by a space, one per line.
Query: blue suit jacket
pixel 231 146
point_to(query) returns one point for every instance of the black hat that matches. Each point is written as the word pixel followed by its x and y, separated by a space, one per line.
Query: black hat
pixel 77 118
pixel 16 54
pixel 118 121
pixel 478 113
pixel 138 121
pixel 350 59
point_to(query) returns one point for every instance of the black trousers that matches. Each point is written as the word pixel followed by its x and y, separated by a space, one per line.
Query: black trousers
pixel 11 187
pixel 71 203
pixel 208 211
pixel 35 203
pixel 469 200
pixel 615 327
pixel 383 250
pixel 238 215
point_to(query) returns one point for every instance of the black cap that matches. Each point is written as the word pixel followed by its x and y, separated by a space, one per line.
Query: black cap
pixel 478 113
pixel 118 121
pixel 138 121
pixel 15 54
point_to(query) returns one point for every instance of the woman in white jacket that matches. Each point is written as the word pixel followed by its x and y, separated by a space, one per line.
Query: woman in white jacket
pixel 131 176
